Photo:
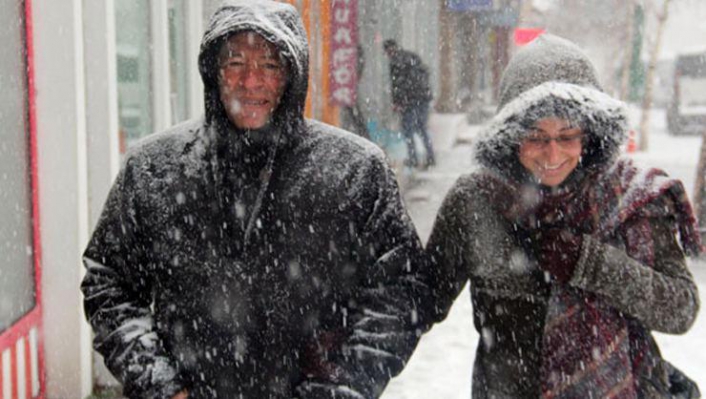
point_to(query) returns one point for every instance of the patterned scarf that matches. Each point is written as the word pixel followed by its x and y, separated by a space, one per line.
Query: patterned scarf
pixel 589 349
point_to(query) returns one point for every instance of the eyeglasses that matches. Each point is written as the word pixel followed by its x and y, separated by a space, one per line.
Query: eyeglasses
pixel 566 141
pixel 238 66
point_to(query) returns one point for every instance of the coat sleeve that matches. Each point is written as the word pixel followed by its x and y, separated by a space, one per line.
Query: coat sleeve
pixel 117 292
pixel 664 297
pixel 448 270
pixel 384 321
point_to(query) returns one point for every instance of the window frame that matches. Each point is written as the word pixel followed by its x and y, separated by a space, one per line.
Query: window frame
pixel 21 344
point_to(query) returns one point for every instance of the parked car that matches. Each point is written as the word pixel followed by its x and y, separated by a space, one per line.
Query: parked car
pixel 686 113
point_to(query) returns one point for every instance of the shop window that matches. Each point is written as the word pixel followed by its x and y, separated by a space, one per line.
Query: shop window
pixel 132 18
pixel 16 247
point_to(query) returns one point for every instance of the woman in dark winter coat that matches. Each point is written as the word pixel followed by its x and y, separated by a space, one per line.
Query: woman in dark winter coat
pixel 573 254
pixel 253 253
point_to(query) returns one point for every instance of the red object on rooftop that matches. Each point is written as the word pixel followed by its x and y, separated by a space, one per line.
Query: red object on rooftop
pixel 526 35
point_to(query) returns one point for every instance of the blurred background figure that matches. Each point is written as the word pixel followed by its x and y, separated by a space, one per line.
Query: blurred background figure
pixel 411 95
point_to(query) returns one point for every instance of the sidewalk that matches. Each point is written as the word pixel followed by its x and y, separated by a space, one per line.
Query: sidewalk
pixel 441 365
pixel 424 190
pixel 444 130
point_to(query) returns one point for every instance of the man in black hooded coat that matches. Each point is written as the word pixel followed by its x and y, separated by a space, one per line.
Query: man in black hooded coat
pixel 238 261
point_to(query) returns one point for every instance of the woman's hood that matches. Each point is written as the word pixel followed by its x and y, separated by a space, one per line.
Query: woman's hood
pixel 552 77
pixel 278 23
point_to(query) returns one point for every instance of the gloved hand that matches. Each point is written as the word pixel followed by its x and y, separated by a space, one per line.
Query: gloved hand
pixel 558 250
pixel 315 362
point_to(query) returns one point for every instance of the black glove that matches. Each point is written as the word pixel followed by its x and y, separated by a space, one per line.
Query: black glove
pixel 315 359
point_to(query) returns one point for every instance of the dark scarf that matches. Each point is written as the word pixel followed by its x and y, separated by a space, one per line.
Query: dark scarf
pixel 243 164
pixel 588 346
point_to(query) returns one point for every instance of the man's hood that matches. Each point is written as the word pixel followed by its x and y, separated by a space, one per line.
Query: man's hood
pixel 551 77
pixel 278 23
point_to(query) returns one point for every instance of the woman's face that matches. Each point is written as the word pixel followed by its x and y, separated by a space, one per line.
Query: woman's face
pixel 551 150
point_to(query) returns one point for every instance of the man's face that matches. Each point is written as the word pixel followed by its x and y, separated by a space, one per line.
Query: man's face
pixel 251 79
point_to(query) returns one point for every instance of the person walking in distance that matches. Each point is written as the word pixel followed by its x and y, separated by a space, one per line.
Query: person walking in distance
pixel 411 95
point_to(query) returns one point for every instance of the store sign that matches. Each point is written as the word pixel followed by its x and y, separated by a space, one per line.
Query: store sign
pixel 343 78
pixel 503 18
pixel 469 5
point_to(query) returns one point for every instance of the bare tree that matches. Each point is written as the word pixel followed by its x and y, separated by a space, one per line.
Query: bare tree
pixel 700 188
pixel 446 51
pixel 651 66
pixel 627 49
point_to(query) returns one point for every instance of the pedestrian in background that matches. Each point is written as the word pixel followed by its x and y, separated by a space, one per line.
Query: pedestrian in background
pixel 574 255
pixel 253 253
pixel 411 95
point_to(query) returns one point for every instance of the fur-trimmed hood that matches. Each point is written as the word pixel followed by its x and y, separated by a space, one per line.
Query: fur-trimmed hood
pixel 551 77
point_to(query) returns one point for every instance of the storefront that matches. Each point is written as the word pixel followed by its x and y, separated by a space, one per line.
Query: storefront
pixel 21 354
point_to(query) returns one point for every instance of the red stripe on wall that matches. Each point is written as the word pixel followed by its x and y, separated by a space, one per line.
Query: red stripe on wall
pixel 34 170
pixel 13 371
pixel 28 367
pixel 21 328
pixel 1 379
pixel 35 317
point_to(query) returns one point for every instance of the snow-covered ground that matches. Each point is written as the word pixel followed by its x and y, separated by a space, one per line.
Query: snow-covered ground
pixel 441 365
